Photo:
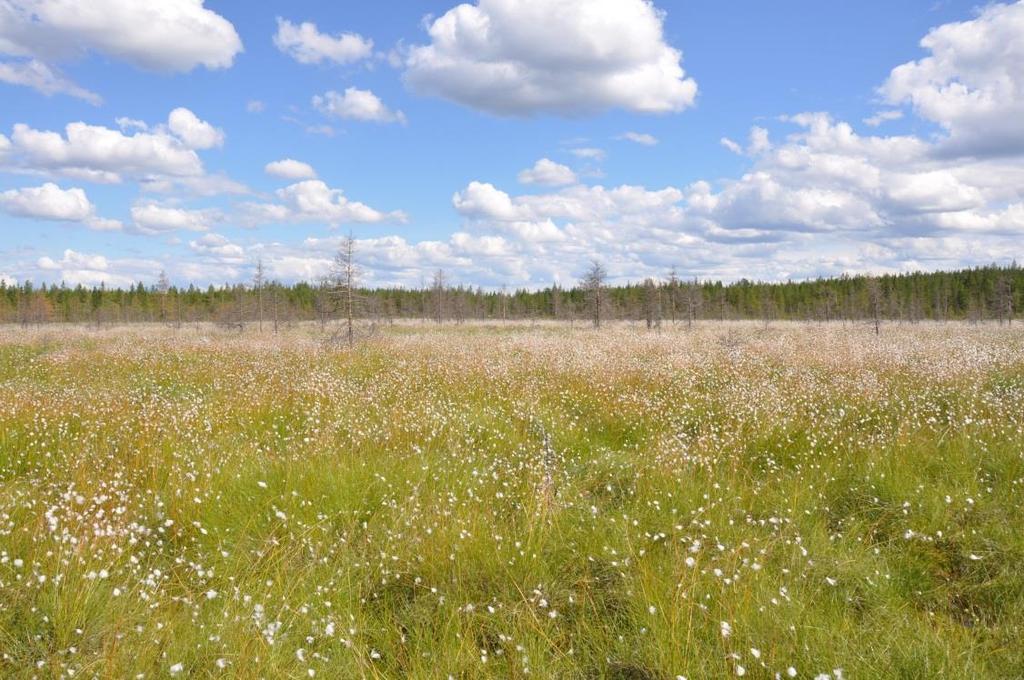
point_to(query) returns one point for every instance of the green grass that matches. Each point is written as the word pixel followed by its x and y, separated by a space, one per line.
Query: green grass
pixel 262 507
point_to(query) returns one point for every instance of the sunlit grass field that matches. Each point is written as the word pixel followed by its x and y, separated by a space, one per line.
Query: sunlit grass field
pixel 509 501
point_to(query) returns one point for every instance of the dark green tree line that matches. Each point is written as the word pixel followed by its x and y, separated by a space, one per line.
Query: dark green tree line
pixel 990 293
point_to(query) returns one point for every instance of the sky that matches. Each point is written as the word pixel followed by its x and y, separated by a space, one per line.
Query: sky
pixel 508 142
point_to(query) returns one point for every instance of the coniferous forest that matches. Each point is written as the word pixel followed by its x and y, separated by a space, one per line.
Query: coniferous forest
pixel 991 293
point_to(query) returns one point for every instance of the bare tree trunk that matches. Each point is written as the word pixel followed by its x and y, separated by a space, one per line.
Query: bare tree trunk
pixel 275 309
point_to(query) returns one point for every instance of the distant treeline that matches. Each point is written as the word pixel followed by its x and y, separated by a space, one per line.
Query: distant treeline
pixel 984 293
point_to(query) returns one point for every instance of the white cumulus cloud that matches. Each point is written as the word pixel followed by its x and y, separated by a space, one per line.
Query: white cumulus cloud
pixel 103 155
pixel 168 36
pixel 193 132
pixel 161 157
pixel 313 201
pixel 218 248
pixel 972 83
pixel 88 269
pixel 50 202
pixel 289 168
pixel 307 45
pixel 152 218
pixel 570 57
pixel 356 104
pixel 549 173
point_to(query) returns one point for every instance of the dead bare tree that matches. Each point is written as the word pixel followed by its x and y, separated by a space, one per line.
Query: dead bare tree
pixel 257 282
pixel 344 283
pixel 593 284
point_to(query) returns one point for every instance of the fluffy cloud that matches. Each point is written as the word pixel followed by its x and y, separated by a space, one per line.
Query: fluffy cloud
pixel 75 259
pixel 151 218
pixel 170 36
pixel 549 173
pixel 820 200
pixel 522 57
pixel 218 248
pixel 817 198
pixel 760 200
pixel 390 260
pixel 40 77
pixel 314 201
pixel 101 154
pixel 307 45
pixel 759 142
pixel 393 260
pixel 535 239
pixel 50 202
pixel 564 228
pixel 298 267
pixel 825 177
pixel 578 203
pixel 193 132
pixel 972 82
pixel 289 168
pixel 76 268
pixel 481 199
pixel 356 104
pixel 162 157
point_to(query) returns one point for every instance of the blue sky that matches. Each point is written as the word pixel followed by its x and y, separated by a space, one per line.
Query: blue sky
pixel 725 140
